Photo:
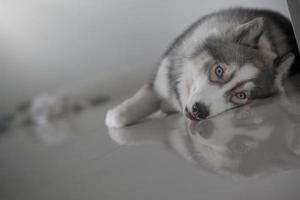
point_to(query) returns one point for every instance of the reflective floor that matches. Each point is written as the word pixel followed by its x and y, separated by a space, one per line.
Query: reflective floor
pixel 252 152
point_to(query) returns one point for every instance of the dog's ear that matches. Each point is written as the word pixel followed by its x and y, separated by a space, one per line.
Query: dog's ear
pixel 282 67
pixel 249 33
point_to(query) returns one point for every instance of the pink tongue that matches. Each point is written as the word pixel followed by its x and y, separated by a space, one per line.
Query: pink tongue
pixel 191 117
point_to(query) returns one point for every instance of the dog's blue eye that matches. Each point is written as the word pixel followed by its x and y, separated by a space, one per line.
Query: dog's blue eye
pixel 219 71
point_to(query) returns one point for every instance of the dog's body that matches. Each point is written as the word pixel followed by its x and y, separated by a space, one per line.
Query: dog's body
pixel 222 61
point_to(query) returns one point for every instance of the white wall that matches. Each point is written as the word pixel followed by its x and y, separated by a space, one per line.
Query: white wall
pixel 95 45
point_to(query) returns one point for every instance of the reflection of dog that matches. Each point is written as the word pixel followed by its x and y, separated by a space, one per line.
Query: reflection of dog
pixel 248 141
pixel 222 61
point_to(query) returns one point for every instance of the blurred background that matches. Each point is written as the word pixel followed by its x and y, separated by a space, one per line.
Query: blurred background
pixel 55 51
pixel 91 47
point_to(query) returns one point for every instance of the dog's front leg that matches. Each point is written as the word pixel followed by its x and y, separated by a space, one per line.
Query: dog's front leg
pixel 142 104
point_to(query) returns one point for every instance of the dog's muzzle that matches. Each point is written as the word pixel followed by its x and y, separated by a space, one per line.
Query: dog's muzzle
pixel 199 111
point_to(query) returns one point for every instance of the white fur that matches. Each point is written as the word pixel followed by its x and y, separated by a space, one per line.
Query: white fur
pixel 213 95
pixel 192 78
pixel 248 86
pixel 161 87
pixel 142 104
pixel 161 81
pixel 247 72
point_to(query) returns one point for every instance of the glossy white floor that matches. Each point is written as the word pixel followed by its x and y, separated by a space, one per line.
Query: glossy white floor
pixel 247 153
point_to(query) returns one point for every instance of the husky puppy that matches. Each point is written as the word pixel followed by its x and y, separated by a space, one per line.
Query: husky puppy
pixel 222 61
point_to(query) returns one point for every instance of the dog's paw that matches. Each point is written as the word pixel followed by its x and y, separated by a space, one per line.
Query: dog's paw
pixel 115 119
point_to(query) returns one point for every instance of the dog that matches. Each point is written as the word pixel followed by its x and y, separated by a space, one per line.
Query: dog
pixel 224 60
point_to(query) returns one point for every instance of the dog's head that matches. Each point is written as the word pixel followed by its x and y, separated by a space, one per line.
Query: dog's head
pixel 231 69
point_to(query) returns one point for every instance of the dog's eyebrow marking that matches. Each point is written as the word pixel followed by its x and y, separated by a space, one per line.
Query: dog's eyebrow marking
pixel 249 85
pixel 247 72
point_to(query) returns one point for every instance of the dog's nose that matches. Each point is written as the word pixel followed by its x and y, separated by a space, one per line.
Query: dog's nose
pixel 200 110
